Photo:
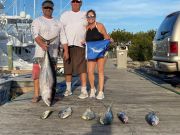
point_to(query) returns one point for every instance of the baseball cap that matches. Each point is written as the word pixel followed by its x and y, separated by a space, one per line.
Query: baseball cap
pixel 77 0
pixel 47 3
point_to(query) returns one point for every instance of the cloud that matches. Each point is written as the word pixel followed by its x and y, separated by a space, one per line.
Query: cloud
pixel 132 14
pixel 124 8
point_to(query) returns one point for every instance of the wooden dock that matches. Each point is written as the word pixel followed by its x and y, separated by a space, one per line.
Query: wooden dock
pixel 128 91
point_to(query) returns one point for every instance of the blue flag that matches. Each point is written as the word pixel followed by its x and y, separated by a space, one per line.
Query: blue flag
pixel 96 49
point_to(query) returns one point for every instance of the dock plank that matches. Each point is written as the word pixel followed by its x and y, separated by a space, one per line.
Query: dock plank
pixel 127 91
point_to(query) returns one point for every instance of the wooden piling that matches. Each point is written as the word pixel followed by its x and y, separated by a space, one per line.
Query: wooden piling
pixel 10 55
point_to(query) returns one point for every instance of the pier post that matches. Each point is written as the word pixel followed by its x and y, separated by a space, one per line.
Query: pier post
pixel 10 55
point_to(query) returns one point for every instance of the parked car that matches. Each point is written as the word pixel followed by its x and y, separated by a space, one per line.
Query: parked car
pixel 166 45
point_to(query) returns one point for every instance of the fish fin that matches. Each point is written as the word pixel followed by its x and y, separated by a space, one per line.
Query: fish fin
pixel 47 102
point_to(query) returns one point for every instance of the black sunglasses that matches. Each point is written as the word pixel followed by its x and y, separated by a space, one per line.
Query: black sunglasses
pixel 90 16
pixel 75 1
pixel 48 8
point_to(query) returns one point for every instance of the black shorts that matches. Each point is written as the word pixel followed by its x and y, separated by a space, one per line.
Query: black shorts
pixel 77 62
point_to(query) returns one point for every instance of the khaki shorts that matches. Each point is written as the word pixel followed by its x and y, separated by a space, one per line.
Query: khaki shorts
pixel 77 62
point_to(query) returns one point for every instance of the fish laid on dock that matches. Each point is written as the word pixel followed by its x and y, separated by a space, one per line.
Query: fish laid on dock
pixel 46 114
pixel 152 118
pixel 122 117
pixel 88 114
pixel 46 80
pixel 65 113
pixel 107 118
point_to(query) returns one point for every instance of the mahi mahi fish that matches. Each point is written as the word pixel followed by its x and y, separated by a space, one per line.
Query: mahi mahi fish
pixel 46 80
pixel 152 118
pixel 46 114
pixel 88 114
pixel 107 117
pixel 123 117
pixel 65 113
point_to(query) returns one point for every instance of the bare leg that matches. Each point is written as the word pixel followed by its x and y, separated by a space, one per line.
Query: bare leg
pixel 91 68
pixel 36 97
pixel 100 63
pixel 68 78
pixel 83 79
pixel 36 87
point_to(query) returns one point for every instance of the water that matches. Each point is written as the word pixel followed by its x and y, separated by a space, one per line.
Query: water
pixel 5 86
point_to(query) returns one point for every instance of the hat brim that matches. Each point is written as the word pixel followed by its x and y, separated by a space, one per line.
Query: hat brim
pixel 77 0
pixel 48 5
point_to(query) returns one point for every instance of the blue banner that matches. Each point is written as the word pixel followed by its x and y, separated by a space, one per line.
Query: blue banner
pixel 96 49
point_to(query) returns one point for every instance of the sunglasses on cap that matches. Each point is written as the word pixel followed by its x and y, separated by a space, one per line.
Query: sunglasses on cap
pixel 90 16
pixel 75 1
pixel 48 8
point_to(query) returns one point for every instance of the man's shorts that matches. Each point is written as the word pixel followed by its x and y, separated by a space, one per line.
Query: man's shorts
pixel 77 62
pixel 36 66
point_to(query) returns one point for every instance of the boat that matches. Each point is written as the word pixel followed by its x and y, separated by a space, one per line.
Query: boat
pixel 16 31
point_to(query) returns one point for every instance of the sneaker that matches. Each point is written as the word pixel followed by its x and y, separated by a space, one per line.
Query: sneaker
pixel 100 95
pixel 93 93
pixel 67 93
pixel 83 95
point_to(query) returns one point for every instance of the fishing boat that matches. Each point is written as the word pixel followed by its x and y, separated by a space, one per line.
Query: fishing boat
pixel 16 31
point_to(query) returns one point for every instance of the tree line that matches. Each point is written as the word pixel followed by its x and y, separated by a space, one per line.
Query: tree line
pixel 139 44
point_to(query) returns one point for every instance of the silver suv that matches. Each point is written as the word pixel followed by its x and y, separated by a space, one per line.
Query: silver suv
pixel 166 45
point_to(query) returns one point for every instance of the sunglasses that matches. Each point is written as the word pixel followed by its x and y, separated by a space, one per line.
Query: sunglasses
pixel 90 16
pixel 75 1
pixel 48 8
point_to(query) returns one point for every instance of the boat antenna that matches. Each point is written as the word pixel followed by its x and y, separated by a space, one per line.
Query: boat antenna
pixel 34 9
pixel 24 5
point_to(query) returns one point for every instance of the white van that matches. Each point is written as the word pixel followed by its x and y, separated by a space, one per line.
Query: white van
pixel 166 45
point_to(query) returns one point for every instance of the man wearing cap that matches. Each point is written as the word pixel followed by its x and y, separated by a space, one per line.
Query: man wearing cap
pixel 74 23
pixel 48 33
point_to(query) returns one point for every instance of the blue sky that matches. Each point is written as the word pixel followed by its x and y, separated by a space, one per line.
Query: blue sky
pixel 131 15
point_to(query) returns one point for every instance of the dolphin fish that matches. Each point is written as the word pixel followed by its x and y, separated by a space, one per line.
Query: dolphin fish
pixel 123 117
pixel 66 112
pixel 152 119
pixel 88 114
pixel 107 118
pixel 46 114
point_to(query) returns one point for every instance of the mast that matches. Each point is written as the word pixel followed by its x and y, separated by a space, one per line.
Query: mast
pixel 34 15
pixel 16 8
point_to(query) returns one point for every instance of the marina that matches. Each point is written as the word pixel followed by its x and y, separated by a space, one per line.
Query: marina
pixel 138 100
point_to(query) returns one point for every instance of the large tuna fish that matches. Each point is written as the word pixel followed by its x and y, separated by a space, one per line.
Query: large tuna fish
pixel 46 80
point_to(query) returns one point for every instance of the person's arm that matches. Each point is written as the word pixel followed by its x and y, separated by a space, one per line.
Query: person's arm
pixel 63 40
pixel 102 29
pixel 66 52
pixel 41 43
pixel 106 36
pixel 35 31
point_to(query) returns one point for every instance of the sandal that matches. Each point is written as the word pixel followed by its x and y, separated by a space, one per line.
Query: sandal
pixel 36 99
